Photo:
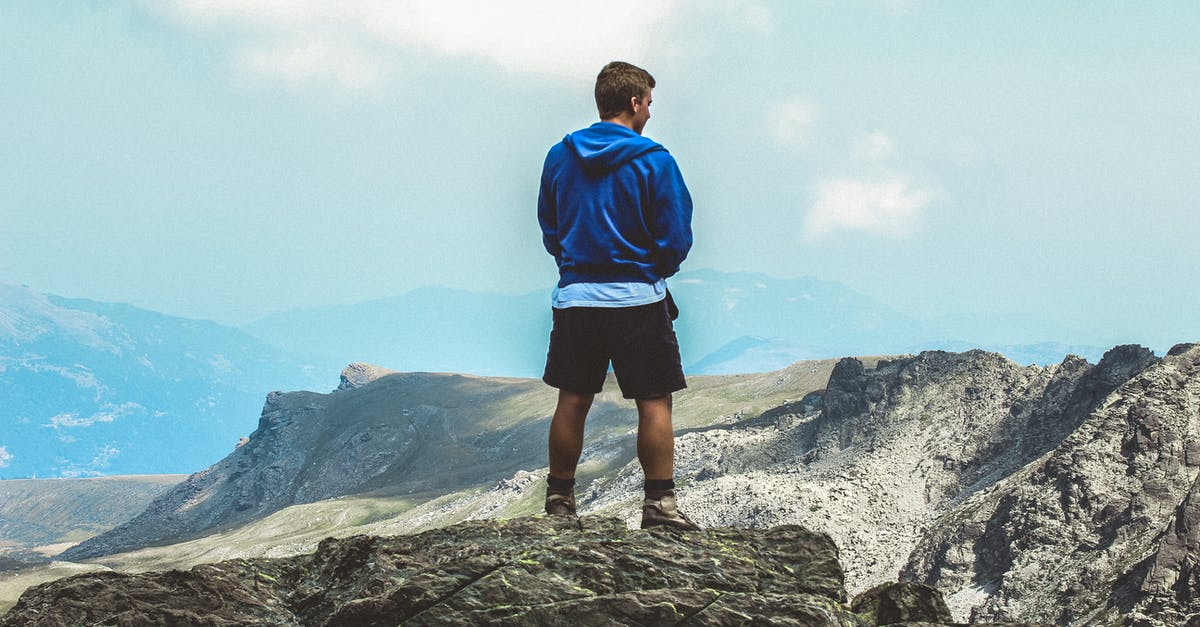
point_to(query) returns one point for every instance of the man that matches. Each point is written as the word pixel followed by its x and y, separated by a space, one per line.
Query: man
pixel 616 215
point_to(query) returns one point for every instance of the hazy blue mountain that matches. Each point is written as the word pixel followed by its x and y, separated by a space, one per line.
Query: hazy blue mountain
pixel 441 329
pixel 729 323
pixel 749 354
pixel 90 388
pixel 434 329
pixel 817 319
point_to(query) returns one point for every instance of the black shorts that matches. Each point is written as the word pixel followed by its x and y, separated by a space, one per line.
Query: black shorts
pixel 639 341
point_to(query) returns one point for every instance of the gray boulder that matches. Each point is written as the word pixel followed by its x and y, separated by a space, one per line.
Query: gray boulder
pixel 892 602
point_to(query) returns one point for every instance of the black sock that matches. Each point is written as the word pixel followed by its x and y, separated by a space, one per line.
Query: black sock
pixel 554 485
pixel 658 488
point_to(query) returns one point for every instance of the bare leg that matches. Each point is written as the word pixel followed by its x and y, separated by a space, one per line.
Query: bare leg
pixel 656 438
pixel 566 433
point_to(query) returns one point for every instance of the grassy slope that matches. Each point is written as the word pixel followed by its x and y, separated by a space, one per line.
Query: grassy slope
pixel 36 512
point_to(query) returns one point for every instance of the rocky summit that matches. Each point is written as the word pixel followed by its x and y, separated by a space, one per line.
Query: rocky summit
pixel 522 571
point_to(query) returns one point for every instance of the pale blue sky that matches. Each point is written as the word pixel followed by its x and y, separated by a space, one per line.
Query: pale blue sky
pixel 230 159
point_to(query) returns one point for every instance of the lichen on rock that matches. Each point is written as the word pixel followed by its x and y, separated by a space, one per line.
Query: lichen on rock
pixel 523 571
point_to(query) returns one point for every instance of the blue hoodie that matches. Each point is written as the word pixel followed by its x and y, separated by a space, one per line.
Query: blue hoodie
pixel 613 207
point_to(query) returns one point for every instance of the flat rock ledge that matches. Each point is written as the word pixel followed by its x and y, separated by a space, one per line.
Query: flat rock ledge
pixel 522 571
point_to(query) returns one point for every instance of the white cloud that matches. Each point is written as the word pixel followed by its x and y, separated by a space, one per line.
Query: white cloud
pixel 876 146
pixel 358 43
pixel 789 122
pixel 73 420
pixel 889 206
pixel 5 456
pixel 107 413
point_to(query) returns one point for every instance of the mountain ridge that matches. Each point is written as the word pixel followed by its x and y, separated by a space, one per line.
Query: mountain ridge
pixel 919 467
pixel 310 446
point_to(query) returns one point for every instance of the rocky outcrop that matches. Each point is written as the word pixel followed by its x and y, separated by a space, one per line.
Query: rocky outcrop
pixel 359 374
pixel 524 571
pixel 885 453
pixel 1101 527
pixel 892 602
pixel 927 467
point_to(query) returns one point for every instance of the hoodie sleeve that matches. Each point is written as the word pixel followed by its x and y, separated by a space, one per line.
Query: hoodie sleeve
pixel 669 217
pixel 547 210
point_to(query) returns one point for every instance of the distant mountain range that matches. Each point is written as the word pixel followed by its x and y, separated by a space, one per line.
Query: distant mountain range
pixel 90 388
pixel 729 323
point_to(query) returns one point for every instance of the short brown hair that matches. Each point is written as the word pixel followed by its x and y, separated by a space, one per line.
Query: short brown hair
pixel 616 84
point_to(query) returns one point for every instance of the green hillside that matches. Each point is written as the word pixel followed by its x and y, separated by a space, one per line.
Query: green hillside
pixel 39 512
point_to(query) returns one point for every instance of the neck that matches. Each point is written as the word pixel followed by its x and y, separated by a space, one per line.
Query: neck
pixel 625 119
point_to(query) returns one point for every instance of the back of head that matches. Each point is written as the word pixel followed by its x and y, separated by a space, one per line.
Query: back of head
pixel 617 83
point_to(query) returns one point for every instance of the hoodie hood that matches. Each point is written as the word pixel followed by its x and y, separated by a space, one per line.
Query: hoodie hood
pixel 606 146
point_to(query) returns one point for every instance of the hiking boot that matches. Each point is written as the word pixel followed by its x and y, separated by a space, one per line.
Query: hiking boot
pixel 663 512
pixel 560 504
